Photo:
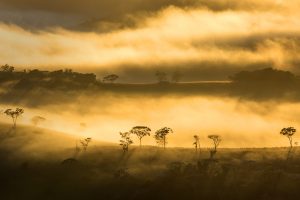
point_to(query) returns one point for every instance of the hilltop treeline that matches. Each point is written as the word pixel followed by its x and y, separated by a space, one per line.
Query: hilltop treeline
pixel 264 75
pixel 69 78
pixel 28 79
pixel 256 85
pixel 266 84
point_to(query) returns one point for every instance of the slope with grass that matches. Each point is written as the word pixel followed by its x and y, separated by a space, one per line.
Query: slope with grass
pixel 31 167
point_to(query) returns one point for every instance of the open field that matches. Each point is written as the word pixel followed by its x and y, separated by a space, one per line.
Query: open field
pixel 34 166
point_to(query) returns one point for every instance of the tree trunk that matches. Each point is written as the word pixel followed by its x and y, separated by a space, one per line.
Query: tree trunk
pixel 140 142
pixel 15 122
pixel 290 149
pixel 199 148
pixel 291 142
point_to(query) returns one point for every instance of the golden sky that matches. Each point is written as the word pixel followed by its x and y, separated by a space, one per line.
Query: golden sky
pixel 204 39
pixel 212 35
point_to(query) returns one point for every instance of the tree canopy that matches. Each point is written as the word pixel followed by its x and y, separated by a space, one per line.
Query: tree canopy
pixel 288 132
pixel 110 78
pixel 160 135
pixel 140 132
pixel 263 75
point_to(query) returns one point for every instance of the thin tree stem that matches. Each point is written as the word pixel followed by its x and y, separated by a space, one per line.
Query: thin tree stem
pixel 140 142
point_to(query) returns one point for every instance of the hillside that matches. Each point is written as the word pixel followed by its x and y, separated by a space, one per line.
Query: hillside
pixel 27 142
pixel 264 84
pixel 31 167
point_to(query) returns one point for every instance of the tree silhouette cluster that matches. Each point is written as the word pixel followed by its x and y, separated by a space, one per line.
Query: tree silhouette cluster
pixel 142 131
pixel 59 79
pixel 7 68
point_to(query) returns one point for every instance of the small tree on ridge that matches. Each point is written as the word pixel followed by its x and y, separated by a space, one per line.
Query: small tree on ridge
pixel 14 114
pixel 140 132
pixel 161 136
pixel 289 132
pixel 196 143
pixel 216 140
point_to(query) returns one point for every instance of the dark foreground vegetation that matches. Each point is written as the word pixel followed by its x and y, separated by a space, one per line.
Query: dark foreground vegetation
pixel 37 164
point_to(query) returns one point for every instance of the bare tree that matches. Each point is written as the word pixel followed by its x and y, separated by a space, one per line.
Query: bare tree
pixel 14 114
pixel 140 132
pixel 125 141
pixel 85 143
pixel 36 120
pixel 110 78
pixel 289 132
pixel 216 140
pixel 161 136
pixel 196 143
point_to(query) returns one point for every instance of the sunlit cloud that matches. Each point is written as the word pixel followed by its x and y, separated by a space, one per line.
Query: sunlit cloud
pixel 173 35
pixel 189 34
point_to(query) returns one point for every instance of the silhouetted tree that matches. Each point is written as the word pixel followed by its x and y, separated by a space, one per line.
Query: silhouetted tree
pixel 176 76
pixel 160 136
pixel 14 114
pixel 196 143
pixel 125 141
pixel 216 140
pixel 161 76
pixel 37 120
pixel 7 68
pixel 85 143
pixel 140 132
pixel 289 132
pixel 110 78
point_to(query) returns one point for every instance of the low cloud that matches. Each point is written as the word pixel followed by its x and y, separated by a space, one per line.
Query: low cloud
pixel 172 38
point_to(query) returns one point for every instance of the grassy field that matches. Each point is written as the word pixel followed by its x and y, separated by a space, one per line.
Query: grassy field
pixel 41 164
